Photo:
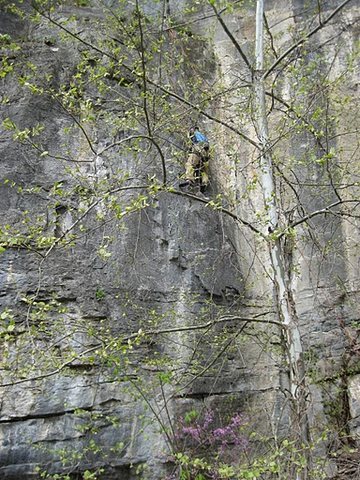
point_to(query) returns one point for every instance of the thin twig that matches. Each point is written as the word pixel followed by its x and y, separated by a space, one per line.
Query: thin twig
pixel 303 39
pixel 231 36
pixel 322 211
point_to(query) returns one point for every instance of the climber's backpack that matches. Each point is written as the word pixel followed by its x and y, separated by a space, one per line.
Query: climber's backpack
pixel 201 140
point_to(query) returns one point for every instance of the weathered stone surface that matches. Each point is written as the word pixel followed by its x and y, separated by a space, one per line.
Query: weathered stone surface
pixel 354 401
pixel 174 258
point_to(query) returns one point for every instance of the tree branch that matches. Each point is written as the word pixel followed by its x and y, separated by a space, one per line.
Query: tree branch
pixel 302 40
pixel 322 211
pixel 231 36
pixel 164 331
pixel 220 209
pixel 151 82
pixel 49 374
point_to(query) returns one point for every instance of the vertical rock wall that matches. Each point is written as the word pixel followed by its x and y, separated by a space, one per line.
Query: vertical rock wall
pixel 323 275
pixel 177 260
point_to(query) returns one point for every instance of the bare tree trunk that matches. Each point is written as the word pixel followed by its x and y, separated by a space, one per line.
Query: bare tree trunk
pixel 282 289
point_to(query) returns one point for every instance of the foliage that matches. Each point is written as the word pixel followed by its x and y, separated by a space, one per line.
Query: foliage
pixel 219 446
pixel 132 79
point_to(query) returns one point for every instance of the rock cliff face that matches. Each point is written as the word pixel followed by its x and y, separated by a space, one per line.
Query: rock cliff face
pixel 96 254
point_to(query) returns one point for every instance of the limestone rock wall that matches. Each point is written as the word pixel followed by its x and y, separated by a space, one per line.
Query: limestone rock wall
pixel 176 260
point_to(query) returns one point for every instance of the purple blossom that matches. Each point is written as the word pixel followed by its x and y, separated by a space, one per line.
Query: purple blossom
pixel 237 420
pixel 193 431
pixel 223 443
pixel 200 432
pixel 208 418
pixel 221 432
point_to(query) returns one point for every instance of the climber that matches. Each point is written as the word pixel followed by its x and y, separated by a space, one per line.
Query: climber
pixel 197 164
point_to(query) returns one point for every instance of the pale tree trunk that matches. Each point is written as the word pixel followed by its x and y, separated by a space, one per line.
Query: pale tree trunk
pixel 282 293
